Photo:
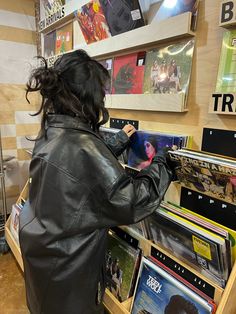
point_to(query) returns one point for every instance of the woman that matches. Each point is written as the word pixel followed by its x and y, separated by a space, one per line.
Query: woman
pixel 78 190
pixel 151 148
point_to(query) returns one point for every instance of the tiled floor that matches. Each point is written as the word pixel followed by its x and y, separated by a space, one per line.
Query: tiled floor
pixel 12 290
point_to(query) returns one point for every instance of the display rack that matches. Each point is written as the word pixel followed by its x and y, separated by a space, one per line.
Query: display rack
pixel 146 37
pixel 224 298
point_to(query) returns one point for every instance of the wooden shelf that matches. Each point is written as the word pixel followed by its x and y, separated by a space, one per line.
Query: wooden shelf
pixel 147 36
pixel 175 27
pixel 152 102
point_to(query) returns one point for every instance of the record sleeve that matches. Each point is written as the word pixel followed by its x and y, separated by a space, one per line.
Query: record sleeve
pixel 213 210
pixel 209 174
pixel 168 69
pixel 122 261
pixel 92 22
pixel 171 8
pixel 49 44
pixel 198 247
pixel 144 145
pixel 159 292
pixel 128 73
pixel 226 78
pixel 108 65
pixel 64 38
pixel 122 15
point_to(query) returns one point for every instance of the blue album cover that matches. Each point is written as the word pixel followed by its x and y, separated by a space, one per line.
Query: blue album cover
pixel 158 292
pixel 145 145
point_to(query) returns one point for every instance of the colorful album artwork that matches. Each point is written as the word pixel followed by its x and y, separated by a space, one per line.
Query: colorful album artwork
pixel 158 292
pixel 168 69
pixel 64 38
pixel 171 8
pixel 145 145
pixel 122 15
pixel 49 44
pixel 208 174
pixel 128 73
pixel 226 78
pixel 92 22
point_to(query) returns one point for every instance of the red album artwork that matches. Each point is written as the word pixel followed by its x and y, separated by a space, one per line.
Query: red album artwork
pixel 93 22
pixel 128 74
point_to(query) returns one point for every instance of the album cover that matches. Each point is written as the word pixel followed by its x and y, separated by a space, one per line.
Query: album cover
pixel 128 73
pixel 122 15
pixel 51 6
pixel 107 135
pixel 49 44
pixel 14 222
pixel 159 292
pixel 168 69
pixel 200 248
pixel 171 8
pixel 108 64
pixel 211 138
pixel 213 210
pixel 122 261
pixel 144 145
pixel 209 174
pixel 93 22
pixel 226 79
pixel 64 38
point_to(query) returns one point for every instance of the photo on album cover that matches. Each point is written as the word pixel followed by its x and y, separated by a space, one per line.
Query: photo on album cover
pixel 168 68
pixel 159 292
pixel 122 261
pixel 144 145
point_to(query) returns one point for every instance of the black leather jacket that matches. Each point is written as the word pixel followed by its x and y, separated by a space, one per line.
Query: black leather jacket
pixel 78 191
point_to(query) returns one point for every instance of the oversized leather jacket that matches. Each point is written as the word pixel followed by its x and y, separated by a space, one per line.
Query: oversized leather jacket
pixel 78 191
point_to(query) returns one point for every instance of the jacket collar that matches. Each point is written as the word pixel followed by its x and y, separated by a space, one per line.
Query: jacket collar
pixel 68 122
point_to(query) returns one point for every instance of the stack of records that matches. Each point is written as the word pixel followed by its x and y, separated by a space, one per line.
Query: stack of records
pixel 210 174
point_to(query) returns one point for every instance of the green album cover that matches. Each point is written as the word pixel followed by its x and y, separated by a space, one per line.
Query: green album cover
pixel 226 78
pixel 168 68
pixel 121 265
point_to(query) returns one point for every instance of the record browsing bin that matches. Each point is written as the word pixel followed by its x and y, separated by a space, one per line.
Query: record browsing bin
pixel 223 297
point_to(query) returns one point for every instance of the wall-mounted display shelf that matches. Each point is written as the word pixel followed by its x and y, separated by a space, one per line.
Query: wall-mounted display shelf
pixel 152 102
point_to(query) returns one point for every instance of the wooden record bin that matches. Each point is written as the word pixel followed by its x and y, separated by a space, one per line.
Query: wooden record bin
pixel 224 298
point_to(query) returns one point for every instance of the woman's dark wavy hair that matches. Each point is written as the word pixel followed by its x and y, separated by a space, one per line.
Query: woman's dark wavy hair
pixel 74 86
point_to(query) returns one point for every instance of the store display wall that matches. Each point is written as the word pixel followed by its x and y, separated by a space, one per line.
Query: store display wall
pixel 17 49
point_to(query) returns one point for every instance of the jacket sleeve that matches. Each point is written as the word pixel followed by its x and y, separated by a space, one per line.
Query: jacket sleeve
pixel 118 142
pixel 129 200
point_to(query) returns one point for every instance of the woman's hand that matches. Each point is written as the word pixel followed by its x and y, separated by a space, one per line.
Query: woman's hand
pixel 129 129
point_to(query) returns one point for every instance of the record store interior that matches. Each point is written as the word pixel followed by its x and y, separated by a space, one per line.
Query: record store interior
pixel 117 156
